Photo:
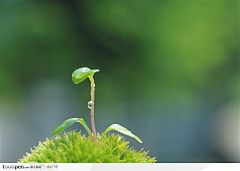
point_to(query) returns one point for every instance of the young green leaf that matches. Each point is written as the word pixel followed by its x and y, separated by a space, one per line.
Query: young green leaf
pixel 69 122
pixel 122 130
pixel 81 74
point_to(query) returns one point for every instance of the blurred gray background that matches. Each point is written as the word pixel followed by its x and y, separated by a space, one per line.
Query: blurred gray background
pixel 169 72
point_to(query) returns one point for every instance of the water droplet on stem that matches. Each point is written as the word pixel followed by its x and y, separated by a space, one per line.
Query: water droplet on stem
pixel 90 104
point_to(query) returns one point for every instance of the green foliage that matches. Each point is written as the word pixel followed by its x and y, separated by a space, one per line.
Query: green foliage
pixel 81 74
pixel 78 76
pixel 122 130
pixel 115 127
pixel 69 122
pixel 72 147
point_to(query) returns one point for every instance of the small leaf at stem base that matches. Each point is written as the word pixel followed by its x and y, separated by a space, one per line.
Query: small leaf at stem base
pixel 122 130
pixel 68 123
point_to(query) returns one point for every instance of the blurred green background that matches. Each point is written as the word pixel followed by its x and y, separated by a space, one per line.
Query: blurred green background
pixel 169 71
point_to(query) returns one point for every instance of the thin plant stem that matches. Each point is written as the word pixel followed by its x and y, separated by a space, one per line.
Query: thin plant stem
pixel 92 108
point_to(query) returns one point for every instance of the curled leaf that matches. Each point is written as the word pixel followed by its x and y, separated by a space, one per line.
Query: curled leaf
pixel 69 122
pixel 81 74
pixel 122 130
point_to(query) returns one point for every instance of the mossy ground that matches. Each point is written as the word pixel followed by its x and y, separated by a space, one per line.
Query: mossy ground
pixel 72 147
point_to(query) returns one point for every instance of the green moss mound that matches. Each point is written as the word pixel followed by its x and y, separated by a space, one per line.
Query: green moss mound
pixel 72 147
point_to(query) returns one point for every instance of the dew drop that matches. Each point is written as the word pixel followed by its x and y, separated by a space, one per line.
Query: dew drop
pixel 90 104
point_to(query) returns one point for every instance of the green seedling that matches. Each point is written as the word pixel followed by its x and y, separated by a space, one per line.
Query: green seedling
pixel 78 76
pixel 73 147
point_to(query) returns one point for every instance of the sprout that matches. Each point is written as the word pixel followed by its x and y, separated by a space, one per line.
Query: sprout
pixel 72 147
pixel 78 76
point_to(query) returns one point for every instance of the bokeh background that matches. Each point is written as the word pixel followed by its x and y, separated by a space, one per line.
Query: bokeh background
pixel 169 71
